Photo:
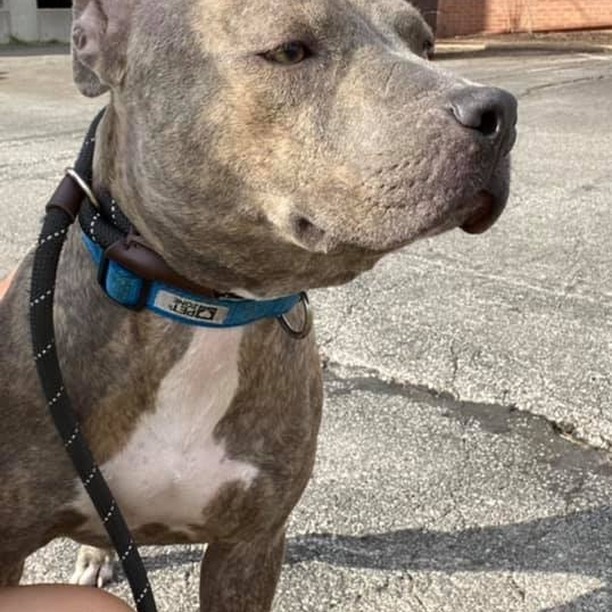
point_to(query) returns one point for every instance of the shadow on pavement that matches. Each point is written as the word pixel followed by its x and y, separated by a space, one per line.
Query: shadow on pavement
pixel 589 602
pixel 578 543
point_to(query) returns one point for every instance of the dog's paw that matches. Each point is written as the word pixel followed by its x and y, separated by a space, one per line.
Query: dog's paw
pixel 94 566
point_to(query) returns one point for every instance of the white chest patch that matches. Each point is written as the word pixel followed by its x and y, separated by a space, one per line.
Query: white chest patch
pixel 172 466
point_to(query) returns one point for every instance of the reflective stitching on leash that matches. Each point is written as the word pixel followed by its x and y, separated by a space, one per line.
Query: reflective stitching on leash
pixel 90 476
pixel 142 595
pixel 110 512
pixel 44 351
pixel 73 436
pixel 129 549
pixel 41 298
pixel 52 236
pixel 92 227
pixel 55 399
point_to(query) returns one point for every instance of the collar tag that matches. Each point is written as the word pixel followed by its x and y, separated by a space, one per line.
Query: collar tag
pixel 189 308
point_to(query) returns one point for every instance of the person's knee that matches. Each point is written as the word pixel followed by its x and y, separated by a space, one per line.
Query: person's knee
pixel 59 598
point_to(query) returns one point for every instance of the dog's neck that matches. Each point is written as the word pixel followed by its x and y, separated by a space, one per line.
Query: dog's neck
pixel 109 177
pixel 110 163
pixel 111 174
pixel 106 152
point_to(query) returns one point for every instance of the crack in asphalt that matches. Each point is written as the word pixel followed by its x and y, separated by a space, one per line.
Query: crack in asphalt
pixel 420 601
pixel 537 88
pixel 517 588
pixel 557 437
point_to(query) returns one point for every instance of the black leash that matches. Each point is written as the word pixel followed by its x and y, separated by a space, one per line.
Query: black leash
pixel 61 212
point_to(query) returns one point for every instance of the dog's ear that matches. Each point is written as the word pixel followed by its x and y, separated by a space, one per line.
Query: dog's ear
pixel 100 31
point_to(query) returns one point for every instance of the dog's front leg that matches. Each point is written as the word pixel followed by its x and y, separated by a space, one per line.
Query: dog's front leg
pixel 241 577
pixel 10 572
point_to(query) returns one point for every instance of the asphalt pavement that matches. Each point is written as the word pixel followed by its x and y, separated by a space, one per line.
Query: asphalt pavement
pixel 465 456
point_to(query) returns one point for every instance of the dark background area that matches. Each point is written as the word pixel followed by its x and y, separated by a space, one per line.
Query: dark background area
pixel 51 4
pixel 429 10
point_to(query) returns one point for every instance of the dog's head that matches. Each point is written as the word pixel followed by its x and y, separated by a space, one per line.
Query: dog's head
pixel 269 147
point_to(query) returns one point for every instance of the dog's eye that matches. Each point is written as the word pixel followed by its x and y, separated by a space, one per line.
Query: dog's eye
pixel 287 54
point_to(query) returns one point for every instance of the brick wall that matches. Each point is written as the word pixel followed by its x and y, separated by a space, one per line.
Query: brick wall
pixel 461 17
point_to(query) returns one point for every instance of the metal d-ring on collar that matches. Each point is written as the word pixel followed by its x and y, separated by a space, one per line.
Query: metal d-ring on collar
pixel 299 334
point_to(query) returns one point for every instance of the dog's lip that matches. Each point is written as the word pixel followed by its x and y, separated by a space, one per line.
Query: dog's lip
pixel 487 210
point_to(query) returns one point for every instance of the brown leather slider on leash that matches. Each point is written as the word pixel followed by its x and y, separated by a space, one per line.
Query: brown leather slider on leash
pixel 68 197
pixel 133 253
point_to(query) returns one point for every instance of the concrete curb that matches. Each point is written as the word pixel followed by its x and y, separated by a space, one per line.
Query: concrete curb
pixel 23 50
pixel 481 48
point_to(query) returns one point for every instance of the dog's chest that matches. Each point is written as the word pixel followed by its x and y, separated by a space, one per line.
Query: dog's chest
pixel 173 466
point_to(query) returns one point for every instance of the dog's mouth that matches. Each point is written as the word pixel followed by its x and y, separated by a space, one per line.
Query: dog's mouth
pixel 474 214
pixel 487 209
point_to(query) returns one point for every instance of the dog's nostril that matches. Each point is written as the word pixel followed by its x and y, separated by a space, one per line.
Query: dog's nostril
pixel 489 123
pixel 488 110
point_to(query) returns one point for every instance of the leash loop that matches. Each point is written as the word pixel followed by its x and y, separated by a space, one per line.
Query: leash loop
pixel 299 334
pixel 62 210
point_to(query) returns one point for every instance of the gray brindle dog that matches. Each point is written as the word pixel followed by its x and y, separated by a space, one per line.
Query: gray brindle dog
pixel 262 148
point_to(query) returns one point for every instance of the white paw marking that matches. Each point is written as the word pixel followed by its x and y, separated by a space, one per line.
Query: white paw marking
pixel 94 567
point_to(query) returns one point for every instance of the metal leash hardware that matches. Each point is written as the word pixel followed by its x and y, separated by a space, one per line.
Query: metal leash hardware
pixel 61 212
pixel 299 334
pixel 85 188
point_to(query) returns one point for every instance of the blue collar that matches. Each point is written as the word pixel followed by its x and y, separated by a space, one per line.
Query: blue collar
pixel 128 289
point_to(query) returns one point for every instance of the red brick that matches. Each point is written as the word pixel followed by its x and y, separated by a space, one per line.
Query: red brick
pixel 462 17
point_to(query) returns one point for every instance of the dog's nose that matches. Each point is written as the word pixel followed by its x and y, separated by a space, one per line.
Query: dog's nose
pixel 488 110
